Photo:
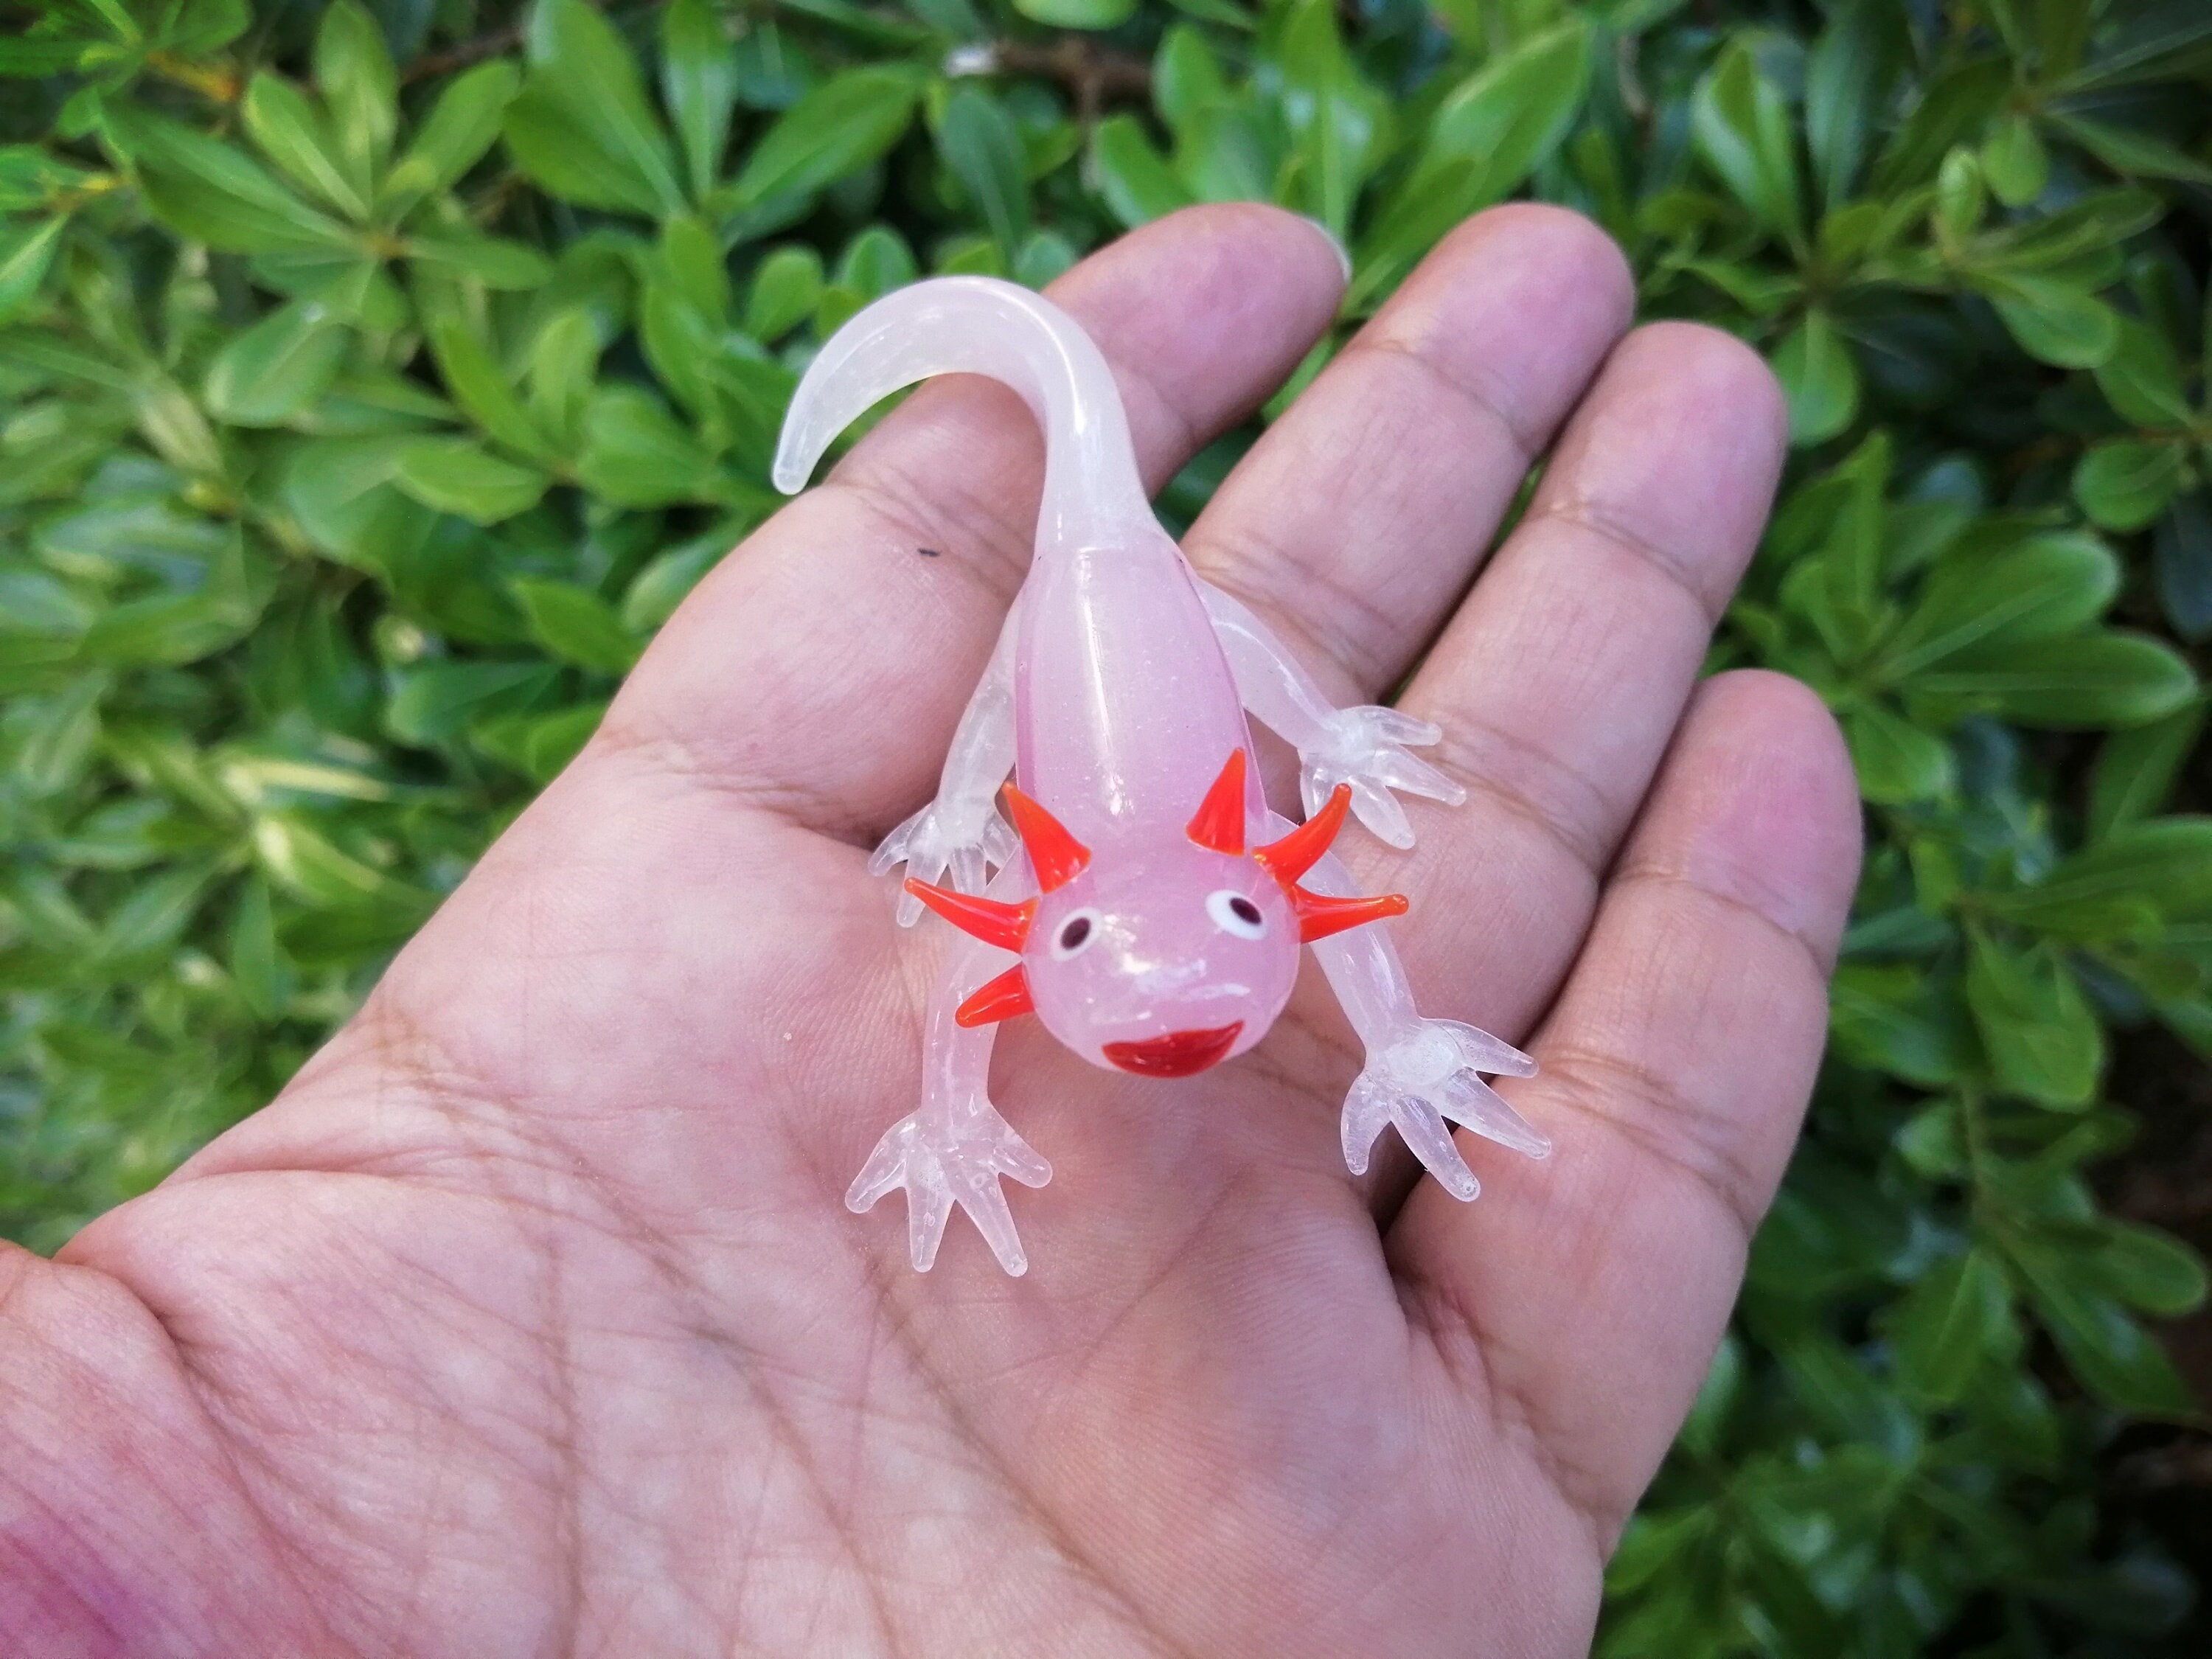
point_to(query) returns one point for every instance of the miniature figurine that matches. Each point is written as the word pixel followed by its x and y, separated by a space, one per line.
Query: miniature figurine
pixel 1155 905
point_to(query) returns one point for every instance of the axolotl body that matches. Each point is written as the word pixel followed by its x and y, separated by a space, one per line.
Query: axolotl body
pixel 1155 905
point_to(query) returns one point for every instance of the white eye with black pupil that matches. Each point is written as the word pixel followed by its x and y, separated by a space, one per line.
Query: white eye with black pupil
pixel 1233 913
pixel 1075 935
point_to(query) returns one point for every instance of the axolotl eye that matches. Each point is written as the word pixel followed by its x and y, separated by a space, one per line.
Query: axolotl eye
pixel 1233 913
pixel 1075 934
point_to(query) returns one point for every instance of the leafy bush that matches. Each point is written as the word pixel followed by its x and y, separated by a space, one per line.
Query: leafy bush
pixel 377 380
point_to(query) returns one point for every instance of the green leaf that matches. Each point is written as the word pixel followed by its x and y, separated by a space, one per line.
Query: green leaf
pixel 786 289
pixel 2074 242
pixel 636 454
pixel 1955 1320
pixel 1742 129
pixel 700 87
pixel 1819 378
pixel 32 179
pixel 149 923
pixel 2150 1270
pixel 692 269
pixel 1134 179
pixel 2014 162
pixel 492 260
pixel 563 367
pixel 580 126
pixel 1847 75
pixel 57 739
pixel 1934 1142
pixel 1488 136
pixel 1890 1019
pixel 2054 320
pixel 840 127
pixel 452 475
pixel 1851 557
pixel 1956 104
pixel 1962 196
pixel 2108 678
pixel 659 588
pixel 2142 379
pixel 2040 587
pixel 2159 41
pixel 979 143
pixel 168 629
pixel 339 492
pixel 681 342
pixel 199 27
pixel 312 869
pixel 1190 84
pixel 1339 124
pixel 699 84
pixel 474 378
pixel 2111 1354
pixel 2043 1041
pixel 257 962
pixel 27 254
pixel 538 745
pixel 556 739
pixel 436 701
pixel 354 73
pixel 2133 153
pixel 291 132
pixel 1043 258
pixel 1657 1543
pixel 576 625
pixel 2163 867
pixel 461 126
pixel 2136 770
pixel 1896 761
pixel 876 261
pixel 278 369
pixel 2125 484
pixel 1223 12
pixel 211 192
pixel 28 59
pixel 1077 13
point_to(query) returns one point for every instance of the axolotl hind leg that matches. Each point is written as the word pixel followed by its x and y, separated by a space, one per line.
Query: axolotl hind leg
pixel 954 1148
pixel 960 832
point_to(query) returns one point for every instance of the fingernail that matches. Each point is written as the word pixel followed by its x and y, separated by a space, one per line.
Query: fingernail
pixel 1336 245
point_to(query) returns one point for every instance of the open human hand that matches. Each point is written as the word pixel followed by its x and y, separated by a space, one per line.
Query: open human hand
pixel 529 1320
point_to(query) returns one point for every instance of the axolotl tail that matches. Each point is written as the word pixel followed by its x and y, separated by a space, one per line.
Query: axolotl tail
pixel 1093 495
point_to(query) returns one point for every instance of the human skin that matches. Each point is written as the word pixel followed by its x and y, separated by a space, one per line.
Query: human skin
pixel 528 1320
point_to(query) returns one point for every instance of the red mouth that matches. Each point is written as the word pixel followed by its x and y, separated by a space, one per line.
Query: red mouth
pixel 1179 1054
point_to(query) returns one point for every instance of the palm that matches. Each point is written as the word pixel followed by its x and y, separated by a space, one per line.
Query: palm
pixel 529 1320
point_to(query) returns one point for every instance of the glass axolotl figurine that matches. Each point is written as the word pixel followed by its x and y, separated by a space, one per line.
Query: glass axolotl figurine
pixel 1151 906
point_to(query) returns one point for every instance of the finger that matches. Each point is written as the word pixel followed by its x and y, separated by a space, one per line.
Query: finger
pixel 1355 523
pixel 820 668
pixel 1558 682
pixel 1592 1288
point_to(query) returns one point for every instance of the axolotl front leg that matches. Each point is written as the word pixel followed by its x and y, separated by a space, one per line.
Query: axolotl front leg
pixel 955 1146
pixel 1419 1073
pixel 1365 746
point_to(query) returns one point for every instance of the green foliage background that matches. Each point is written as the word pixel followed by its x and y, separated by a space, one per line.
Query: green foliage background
pixel 373 382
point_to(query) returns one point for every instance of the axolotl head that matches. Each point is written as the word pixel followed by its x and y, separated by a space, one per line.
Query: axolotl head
pixel 1162 964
